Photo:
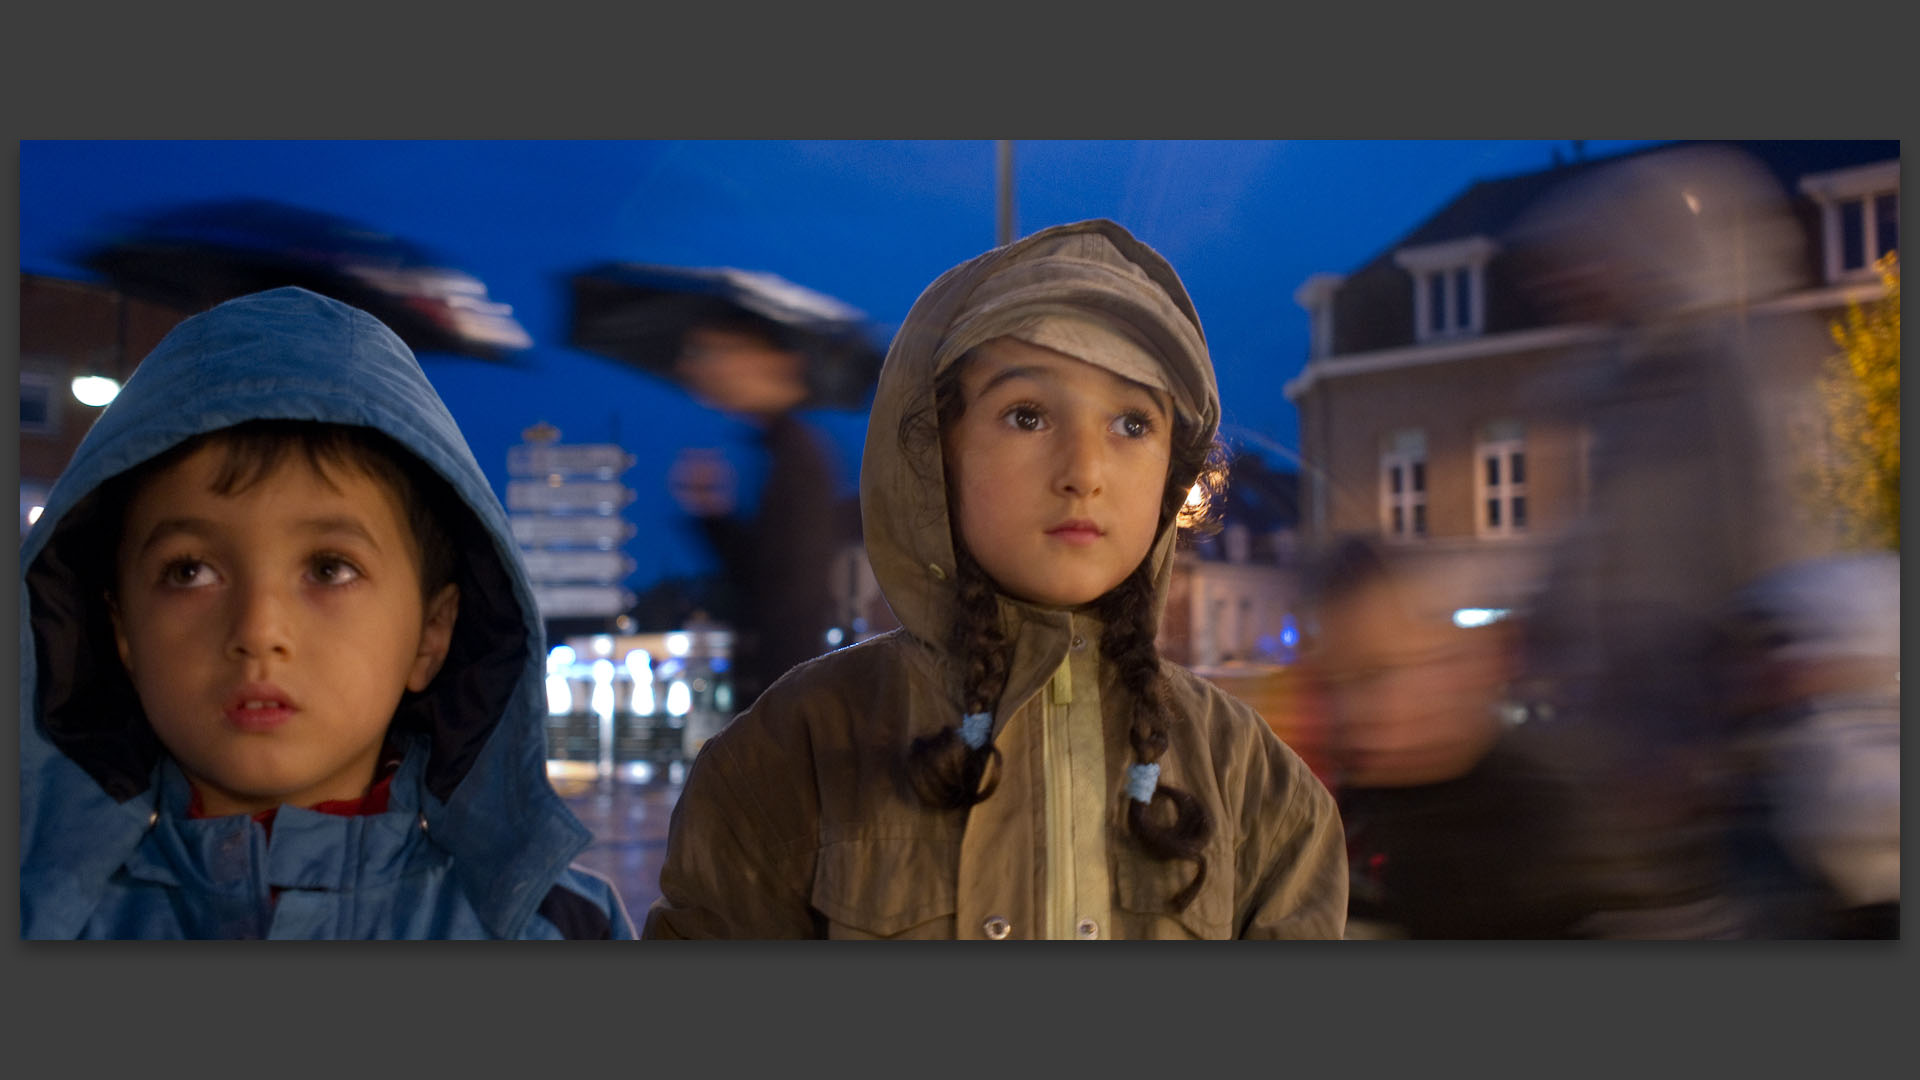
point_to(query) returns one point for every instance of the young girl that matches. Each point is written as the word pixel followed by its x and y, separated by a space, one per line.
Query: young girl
pixel 1016 761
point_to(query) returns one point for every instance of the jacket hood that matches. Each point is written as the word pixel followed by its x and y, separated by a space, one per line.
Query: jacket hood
pixel 88 757
pixel 1091 269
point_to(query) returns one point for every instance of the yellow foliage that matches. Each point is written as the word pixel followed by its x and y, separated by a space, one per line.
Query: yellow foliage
pixel 1860 389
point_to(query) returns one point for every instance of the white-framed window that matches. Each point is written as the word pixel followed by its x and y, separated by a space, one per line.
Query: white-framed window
pixel 1859 217
pixel 1403 486
pixel 1449 287
pixel 1316 295
pixel 1500 480
pixel 39 405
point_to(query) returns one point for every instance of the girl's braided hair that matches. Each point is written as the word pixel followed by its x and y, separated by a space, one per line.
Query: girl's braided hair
pixel 948 774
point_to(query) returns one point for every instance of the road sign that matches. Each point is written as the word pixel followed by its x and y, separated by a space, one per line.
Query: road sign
pixel 600 567
pixel 576 601
pixel 604 460
pixel 593 496
pixel 600 531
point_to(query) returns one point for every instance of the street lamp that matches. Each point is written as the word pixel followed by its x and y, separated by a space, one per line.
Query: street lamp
pixel 95 390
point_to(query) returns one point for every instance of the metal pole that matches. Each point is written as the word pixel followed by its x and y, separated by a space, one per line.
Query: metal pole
pixel 1005 153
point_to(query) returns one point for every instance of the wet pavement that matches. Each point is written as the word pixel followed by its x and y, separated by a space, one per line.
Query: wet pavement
pixel 629 818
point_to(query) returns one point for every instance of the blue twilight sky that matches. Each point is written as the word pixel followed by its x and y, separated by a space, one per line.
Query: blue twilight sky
pixel 871 223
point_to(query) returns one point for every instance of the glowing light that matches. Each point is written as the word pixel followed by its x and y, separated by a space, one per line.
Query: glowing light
pixel 602 700
pixel 1470 617
pixel 1196 497
pixel 95 390
pixel 1693 201
pixel 559 695
pixel 679 698
pixel 678 643
pixel 560 658
pixel 602 645
pixel 723 697
pixel 33 514
pixel 1289 632
pixel 834 636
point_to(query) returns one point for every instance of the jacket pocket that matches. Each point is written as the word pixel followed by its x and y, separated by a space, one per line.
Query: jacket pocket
pixel 1144 888
pixel 886 887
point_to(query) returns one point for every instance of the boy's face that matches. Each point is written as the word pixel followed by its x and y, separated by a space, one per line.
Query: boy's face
pixel 271 632
pixel 1056 469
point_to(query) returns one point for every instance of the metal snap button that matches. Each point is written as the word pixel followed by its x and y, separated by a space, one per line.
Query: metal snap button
pixel 996 927
pixel 1086 930
pixel 938 574
pixel 1079 643
pixel 152 817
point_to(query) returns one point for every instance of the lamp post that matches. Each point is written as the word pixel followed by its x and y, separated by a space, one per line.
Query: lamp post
pixel 1004 152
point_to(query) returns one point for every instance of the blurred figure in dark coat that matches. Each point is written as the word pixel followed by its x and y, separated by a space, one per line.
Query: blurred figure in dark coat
pixel 777 559
pixel 1674 249
pixel 1454 829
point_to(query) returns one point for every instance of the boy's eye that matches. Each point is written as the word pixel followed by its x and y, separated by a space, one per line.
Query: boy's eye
pixel 186 573
pixel 1132 425
pixel 334 570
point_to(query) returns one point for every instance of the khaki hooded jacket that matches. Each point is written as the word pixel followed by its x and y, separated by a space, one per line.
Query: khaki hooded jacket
pixel 798 820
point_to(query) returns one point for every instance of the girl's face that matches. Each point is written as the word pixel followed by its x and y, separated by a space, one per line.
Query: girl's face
pixel 1056 469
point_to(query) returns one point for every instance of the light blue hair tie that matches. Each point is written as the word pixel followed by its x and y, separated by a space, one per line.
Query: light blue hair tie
pixel 1141 780
pixel 974 729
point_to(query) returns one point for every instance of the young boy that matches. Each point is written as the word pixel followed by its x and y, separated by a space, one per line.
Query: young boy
pixel 282 669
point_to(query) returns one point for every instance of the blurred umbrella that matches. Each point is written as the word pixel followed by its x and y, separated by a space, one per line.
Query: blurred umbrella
pixel 195 256
pixel 637 313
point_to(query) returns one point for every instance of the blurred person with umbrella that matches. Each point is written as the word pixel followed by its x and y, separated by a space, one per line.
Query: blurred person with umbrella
pixel 194 256
pixel 758 348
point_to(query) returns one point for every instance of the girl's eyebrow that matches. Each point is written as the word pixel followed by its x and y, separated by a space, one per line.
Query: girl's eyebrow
pixel 1017 371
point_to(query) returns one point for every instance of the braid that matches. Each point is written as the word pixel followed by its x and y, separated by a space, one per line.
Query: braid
pixel 946 773
pixel 1128 641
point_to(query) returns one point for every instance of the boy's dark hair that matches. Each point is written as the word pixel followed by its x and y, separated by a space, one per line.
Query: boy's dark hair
pixel 254 449
pixel 947 774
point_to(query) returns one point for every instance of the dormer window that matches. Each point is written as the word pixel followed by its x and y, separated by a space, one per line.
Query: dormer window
pixel 1449 287
pixel 1859 217
pixel 1316 295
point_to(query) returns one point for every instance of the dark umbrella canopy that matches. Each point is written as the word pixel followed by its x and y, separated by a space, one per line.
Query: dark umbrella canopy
pixel 195 256
pixel 637 314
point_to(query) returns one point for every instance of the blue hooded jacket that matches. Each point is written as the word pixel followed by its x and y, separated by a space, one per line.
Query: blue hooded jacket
pixel 474 843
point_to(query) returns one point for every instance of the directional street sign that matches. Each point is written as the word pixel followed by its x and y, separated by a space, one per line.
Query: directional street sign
pixel 576 601
pixel 604 532
pixel 597 567
pixel 593 496
pixel 604 460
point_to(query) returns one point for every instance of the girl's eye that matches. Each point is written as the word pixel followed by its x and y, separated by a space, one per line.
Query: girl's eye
pixel 334 570
pixel 186 573
pixel 1025 417
pixel 1132 425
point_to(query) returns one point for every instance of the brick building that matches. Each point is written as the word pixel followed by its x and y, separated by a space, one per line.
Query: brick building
pixel 1441 398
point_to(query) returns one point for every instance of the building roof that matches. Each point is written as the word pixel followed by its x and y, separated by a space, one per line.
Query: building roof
pixel 1489 207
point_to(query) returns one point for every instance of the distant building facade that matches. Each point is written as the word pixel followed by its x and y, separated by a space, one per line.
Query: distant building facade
pixel 1435 404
